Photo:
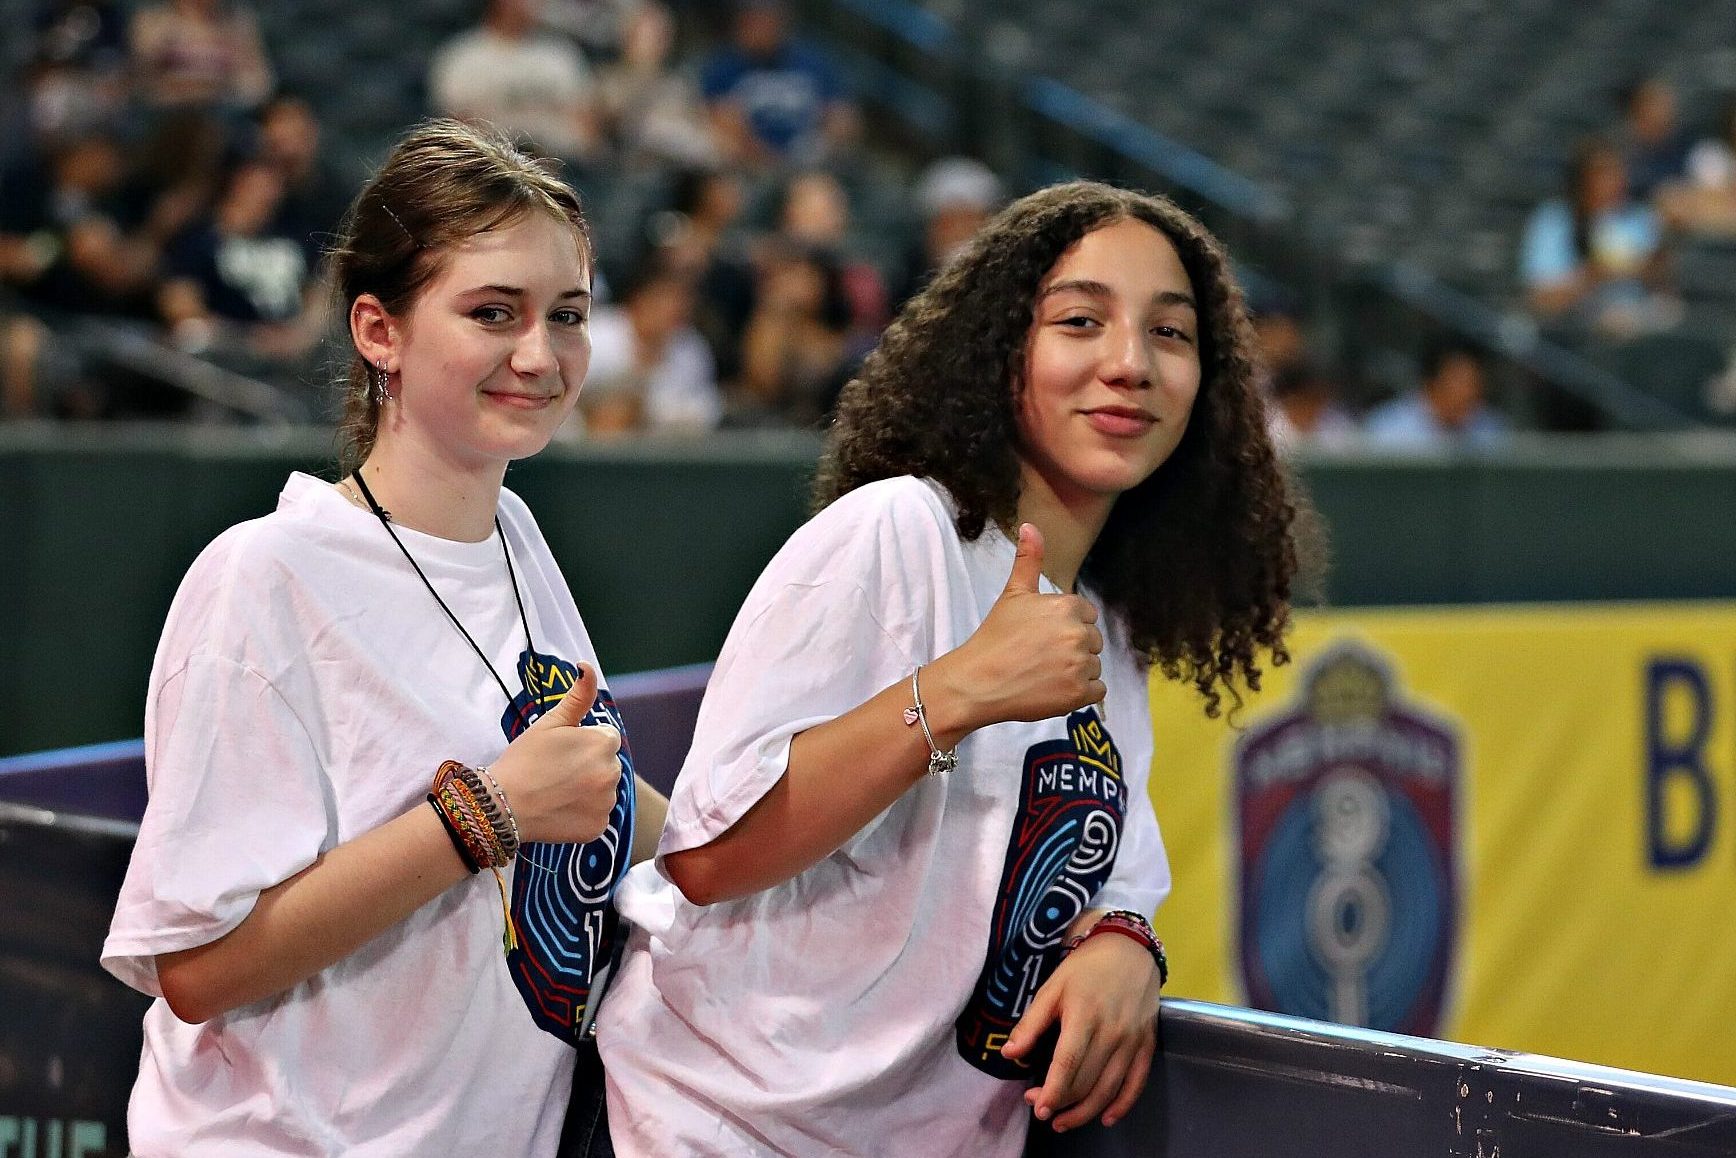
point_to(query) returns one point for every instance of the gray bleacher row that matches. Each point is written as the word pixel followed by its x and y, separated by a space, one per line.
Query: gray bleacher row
pixel 1423 131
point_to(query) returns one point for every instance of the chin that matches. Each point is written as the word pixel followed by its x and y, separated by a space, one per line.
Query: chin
pixel 1117 478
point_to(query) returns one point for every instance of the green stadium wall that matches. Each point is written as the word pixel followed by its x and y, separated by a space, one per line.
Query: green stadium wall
pixel 661 541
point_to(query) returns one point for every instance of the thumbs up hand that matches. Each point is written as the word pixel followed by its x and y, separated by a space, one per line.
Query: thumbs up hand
pixel 561 775
pixel 1035 656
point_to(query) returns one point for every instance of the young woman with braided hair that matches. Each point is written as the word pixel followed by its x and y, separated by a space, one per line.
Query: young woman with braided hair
pixel 366 697
pixel 912 851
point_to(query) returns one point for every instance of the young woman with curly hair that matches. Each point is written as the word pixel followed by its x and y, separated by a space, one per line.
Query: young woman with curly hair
pixel 917 790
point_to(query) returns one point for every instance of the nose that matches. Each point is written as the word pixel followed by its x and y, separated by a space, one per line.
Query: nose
pixel 534 355
pixel 1127 361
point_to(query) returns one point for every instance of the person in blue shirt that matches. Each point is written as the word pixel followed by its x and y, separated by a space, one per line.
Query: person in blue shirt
pixel 1447 411
pixel 773 99
pixel 1595 258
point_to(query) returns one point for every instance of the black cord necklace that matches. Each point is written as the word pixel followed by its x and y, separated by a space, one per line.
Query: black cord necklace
pixel 385 518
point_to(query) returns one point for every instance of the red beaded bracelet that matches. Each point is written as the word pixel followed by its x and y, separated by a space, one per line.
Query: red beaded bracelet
pixel 1135 927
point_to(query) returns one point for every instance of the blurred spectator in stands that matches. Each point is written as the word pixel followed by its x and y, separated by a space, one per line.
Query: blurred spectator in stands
pixel 315 198
pixel 22 341
pixel 773 99
pixel 650 369
pixel 77 77
pixel 1303 411
pixel 1706 202
pixel 652 111
pixel 954 197
pixel 698 233
pixel 238 286
pixel 180 163
pixel 1594 260
pixel 1712 161
pixel 795 353
pixel 70 236
pixel 199 53
pixel 527 82
pixel 1283 343
pixel 600 26
pixel 814 212
pixel 1651 140
pixel 1449 410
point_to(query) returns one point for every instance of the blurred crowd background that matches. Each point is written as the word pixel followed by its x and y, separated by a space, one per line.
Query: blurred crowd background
pixel 1456 219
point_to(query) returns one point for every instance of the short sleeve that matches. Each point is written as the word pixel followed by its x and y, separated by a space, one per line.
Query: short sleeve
pixel 1140 879
pixel 849 606
pixel 810 653
pixel 238 803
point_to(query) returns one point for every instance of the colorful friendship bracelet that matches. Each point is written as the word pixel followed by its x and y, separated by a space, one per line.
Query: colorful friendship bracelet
pixel 452 831
pixel 473 817
pixel 1134 926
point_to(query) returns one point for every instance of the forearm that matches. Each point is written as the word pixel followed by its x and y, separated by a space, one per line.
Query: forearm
pixel 316 918
pixel 840 776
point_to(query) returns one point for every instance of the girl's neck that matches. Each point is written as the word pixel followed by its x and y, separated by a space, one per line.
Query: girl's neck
pixel 433 495
pixel 1070 525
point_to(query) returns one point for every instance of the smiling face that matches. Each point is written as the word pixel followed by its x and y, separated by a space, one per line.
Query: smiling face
pixel 1112 365
pixel 489 360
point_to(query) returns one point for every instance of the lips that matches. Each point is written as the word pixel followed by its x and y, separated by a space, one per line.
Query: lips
pixel 520 401
pixel 1120 421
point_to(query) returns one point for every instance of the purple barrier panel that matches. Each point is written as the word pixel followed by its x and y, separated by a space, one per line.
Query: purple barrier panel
pixel 658 708
pixel 106 780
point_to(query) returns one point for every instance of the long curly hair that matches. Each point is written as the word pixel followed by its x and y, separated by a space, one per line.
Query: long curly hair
pixel 1197 560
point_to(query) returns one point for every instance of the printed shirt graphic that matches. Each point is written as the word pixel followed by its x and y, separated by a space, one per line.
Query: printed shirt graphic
pixel 1072 802
pixel 565 928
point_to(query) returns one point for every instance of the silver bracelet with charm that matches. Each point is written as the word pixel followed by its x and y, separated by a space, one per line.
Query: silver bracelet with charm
pixel 938 761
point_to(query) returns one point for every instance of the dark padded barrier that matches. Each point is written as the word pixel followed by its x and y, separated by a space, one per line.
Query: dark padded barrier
pixel 1238 1083
pixel 1227 1083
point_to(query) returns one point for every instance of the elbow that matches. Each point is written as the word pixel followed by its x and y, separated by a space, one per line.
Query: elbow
pixel 191 997
pixel 188 1004
pixel 695 874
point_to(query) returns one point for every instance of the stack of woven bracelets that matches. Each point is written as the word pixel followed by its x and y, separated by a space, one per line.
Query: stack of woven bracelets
pixel 1129 924
pixel 474 809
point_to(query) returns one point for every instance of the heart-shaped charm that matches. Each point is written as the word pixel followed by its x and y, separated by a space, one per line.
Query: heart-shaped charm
pixel 910 717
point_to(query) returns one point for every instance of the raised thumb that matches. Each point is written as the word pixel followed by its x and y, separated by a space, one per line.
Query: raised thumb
pixel 1028 562
pixel 570 712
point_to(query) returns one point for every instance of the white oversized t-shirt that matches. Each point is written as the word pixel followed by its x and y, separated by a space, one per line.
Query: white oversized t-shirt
pixel 859 1008
pixel 306 689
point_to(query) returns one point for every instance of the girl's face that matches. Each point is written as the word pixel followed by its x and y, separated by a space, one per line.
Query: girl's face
pixel 1112 364
pixel 491 356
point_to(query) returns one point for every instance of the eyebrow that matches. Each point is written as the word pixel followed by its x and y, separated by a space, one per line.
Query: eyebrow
pixel 1100 290
pixel 513 291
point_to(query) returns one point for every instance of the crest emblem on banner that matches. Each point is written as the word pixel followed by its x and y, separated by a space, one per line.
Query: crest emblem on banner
pixel 1345 810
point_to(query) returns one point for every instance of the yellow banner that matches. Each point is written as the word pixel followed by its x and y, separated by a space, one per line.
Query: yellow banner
pixel 1505 826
